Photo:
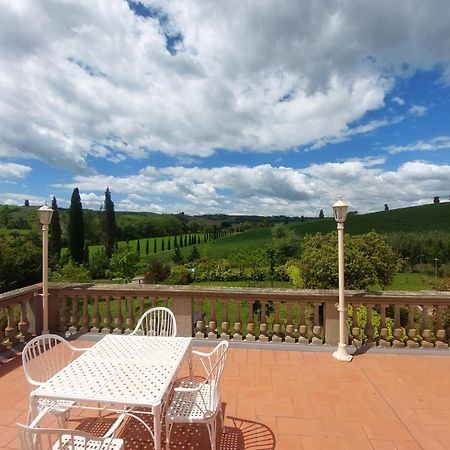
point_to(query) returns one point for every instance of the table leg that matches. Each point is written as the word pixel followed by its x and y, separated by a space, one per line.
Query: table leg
pixel 157 426
pixel 32 408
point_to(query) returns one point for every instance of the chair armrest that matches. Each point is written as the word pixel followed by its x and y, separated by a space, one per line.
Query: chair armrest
pixel 196 352
pixel 185 389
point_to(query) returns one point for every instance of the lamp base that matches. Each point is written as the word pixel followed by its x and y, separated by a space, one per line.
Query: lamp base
pixel 341 354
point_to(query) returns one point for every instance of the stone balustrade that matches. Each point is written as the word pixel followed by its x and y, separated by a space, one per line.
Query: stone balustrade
pixel 288 316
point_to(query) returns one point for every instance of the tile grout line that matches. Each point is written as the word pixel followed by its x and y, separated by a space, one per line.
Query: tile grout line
pixel 391 408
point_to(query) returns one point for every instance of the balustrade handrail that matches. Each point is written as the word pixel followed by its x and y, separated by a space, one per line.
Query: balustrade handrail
pixel 19 295
pixel 249 293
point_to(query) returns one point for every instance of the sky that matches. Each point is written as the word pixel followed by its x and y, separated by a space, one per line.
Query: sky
pixel 273 107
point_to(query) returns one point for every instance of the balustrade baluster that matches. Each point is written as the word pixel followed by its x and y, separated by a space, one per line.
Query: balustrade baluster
pixel 63 314
pixel 129 322
pixel 107 318
pixel 96 317
pixel 263 326
pixel 237 335
pixel 368 329
pixel 200 327
pixel 225 322
pixel 303 327
pixel 441 334
pixel 398 330
pixel 85 320
pixel 23 324
pixel 276 327
pixel 74 316
pixel 356 330
pixel 212 326
pixel 384 332
pixel 118 321
pixel 250 336
pixel 426 331
pixel 317 328
pixel 412 331
pixel 10 330
pixel 141 306
pixel 2 338
pixel 290 338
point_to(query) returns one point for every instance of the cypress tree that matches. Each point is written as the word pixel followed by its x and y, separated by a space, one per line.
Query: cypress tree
pixel 54 247
pixel 76 228
pixel 110 224
pixel 168 244
pixel 175 241
pixel 185 240
pixel 138 247
pixel 154 245
pixel 147 247
pixel 181 241
pixel 86 255
pixel 162 245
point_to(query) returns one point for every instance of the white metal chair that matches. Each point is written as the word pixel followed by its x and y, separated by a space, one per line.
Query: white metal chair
pixel 198 400
pixel 158 321
pixel 43 357
pixel 32 437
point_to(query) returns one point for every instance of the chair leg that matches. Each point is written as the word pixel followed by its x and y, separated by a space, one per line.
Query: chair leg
pixel 168 431
pixel 212 433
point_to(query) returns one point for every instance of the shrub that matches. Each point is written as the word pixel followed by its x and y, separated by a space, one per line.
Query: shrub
pixel 156 272
pixel 70 272
pixel 179 275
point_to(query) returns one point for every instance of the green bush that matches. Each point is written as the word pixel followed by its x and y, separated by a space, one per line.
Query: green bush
pixel 70 272
pixel 180 275
pixel 156 272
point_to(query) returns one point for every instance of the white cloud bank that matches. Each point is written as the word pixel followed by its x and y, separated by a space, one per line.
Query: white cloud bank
pixel 13 170
pixel 84 79
pixel 435 144
pixel 268 190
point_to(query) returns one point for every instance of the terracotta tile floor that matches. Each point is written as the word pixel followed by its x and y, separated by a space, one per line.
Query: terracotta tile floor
pixel 278 399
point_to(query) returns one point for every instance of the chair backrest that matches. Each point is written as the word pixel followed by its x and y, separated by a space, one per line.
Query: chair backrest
pixel 213 364
pixel 44 356
pixel 159 321
pixel 33 438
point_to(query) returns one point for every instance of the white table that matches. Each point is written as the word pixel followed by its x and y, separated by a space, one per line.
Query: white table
pixel 125 371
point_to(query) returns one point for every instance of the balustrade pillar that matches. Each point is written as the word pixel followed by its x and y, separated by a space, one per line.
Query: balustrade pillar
pixel 129 322
pixel 384 332
pixel 412 331
pixel 441 334
pixel 276 327
pixel 85 320
pixel 10 330
pixel 398 330
pixel 427 334
pixel 289 338
pixel 369 329
pixel 200 324
pixel 23 324
pixel 212 325
pixel 356 331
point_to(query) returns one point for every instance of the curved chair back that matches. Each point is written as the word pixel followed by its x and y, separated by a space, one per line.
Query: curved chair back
pixel 159 321
pixel 44 356
pixel 33 438
pixel 213 364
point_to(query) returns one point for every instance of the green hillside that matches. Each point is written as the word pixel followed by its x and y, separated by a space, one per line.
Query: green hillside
pixel 413 219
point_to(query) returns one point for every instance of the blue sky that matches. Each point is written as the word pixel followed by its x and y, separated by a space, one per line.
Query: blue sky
pixel 231 107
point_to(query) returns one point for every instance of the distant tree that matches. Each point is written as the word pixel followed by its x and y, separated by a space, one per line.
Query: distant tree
pixel 86 255
pixel 162 245
pixel 27 203
pixel 110 224
pixel 76 228
pixel 175 241
pixel 168 244
pixel 138 247
pixel 181 241
pixel 123 264
pixel 302 218
pixel 177 257
pixel 321 214
pixel 195 254
pixel 436 200
pixel 54 243
pixel 154 246
pixel 386 207
pixel 147 247
pixel 156 272
pixel 185 240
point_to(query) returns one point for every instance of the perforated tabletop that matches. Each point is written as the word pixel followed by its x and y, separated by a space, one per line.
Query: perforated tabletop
pixel 124 370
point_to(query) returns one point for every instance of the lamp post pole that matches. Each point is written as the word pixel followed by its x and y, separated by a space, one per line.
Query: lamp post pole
pixel 45 216
pixel 340 213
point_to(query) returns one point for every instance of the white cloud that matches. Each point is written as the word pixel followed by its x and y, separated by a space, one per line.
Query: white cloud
pixel 14 198
pixel 13 170
pixel 437 143
pixel 417 110
pixel 91 200
pixel 268 190
pixel 91 79
pixel 398 100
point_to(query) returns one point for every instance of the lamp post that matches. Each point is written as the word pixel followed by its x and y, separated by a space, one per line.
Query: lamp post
pixel 340 214
pixel 45 216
